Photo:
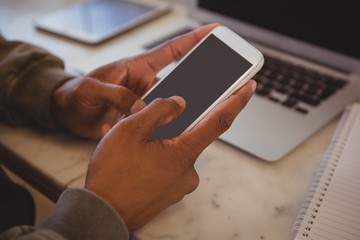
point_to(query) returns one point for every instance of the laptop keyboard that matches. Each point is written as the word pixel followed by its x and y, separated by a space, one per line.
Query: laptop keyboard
pixel 294 86
pixel 289 85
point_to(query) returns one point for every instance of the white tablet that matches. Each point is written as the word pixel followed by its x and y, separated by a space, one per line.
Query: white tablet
pixel 97 20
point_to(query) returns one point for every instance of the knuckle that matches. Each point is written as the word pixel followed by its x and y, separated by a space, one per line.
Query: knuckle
pixel 166 104
pixel 176 53
pixel 123 93
pixel 225 122
pixel 189 183
pixel 133 124
pixel 131 128
pixel 188 148
pixel 85 84
pixel 124 125
pixel 193 181
pixel 245 100
pixel 188 153
pixel 81 86
pixel 157 101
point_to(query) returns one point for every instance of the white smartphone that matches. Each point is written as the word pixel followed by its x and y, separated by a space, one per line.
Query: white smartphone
pixel 95 21
pixel 214 69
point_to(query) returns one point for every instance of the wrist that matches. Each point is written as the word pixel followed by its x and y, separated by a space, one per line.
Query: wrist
pixel 58 103
pixel 97 219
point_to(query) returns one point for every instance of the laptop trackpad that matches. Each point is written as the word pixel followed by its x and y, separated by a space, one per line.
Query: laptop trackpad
pixel 257 130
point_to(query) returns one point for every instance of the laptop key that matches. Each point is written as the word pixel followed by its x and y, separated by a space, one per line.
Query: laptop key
pixel 299 84
pixel 290 102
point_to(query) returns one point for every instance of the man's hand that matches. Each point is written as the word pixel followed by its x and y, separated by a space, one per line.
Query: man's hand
pixel 141 177
pixel 89 106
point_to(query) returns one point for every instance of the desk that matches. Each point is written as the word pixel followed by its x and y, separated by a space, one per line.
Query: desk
pixel 239 197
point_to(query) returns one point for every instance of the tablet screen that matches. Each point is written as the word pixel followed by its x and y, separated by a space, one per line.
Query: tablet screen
pixel 94 21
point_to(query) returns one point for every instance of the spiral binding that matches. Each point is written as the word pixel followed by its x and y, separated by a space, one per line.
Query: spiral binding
pixel 324 174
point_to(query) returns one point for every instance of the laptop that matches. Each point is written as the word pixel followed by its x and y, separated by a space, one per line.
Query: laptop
pixel 311 70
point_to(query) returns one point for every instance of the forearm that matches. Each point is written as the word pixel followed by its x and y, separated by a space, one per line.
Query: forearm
pixel 28 77
pixel 79 214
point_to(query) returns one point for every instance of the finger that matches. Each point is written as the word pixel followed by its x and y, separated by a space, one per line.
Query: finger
pixel 158 113
pixel 218 120
pixel 114 72
pixel 120 97
pixel 105 128
pixel 176 48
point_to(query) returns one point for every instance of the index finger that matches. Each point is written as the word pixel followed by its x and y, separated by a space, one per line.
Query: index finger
pixel 218 120
pixel 176 48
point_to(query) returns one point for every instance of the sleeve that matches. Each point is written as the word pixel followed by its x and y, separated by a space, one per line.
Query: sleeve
pixel 28 77
pixel 78 214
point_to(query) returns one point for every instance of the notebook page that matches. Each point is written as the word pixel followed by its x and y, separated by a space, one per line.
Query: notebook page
pixel 333 209
pixel 339 214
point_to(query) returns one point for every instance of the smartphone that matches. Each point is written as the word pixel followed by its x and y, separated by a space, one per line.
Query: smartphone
pixel 95 21
pixel 214 69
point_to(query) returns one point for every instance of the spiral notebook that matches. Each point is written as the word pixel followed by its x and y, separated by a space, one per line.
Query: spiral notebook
pixel 332 208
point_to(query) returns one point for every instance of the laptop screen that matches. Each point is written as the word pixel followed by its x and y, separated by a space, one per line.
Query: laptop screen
pixel 329 24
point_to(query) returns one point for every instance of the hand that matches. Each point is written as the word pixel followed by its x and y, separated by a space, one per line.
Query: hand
pixel 141 177
pixel 89 106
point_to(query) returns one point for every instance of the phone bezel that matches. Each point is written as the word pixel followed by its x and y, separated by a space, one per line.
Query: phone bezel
pixel 239 45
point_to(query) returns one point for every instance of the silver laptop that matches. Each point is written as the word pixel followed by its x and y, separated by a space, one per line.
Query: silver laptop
pixel 311 71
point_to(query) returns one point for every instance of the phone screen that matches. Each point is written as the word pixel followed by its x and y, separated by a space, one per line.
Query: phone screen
pixel 201 78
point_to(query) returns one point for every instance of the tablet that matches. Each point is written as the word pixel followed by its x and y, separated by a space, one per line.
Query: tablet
pixel 94 21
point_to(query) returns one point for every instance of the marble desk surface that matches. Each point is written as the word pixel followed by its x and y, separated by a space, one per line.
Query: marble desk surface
pixel 239 196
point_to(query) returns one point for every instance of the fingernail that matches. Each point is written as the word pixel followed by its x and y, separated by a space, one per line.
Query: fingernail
pixel 179 100
pixel 137 106
pixel 253 86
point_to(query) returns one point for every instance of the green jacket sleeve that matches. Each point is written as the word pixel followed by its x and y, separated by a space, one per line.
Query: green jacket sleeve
pixel 28 77
pixel 78 214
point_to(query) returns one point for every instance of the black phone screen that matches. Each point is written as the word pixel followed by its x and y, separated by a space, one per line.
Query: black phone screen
pixel 200 79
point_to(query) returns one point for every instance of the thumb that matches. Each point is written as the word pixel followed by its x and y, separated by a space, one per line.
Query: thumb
pixel 158 113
